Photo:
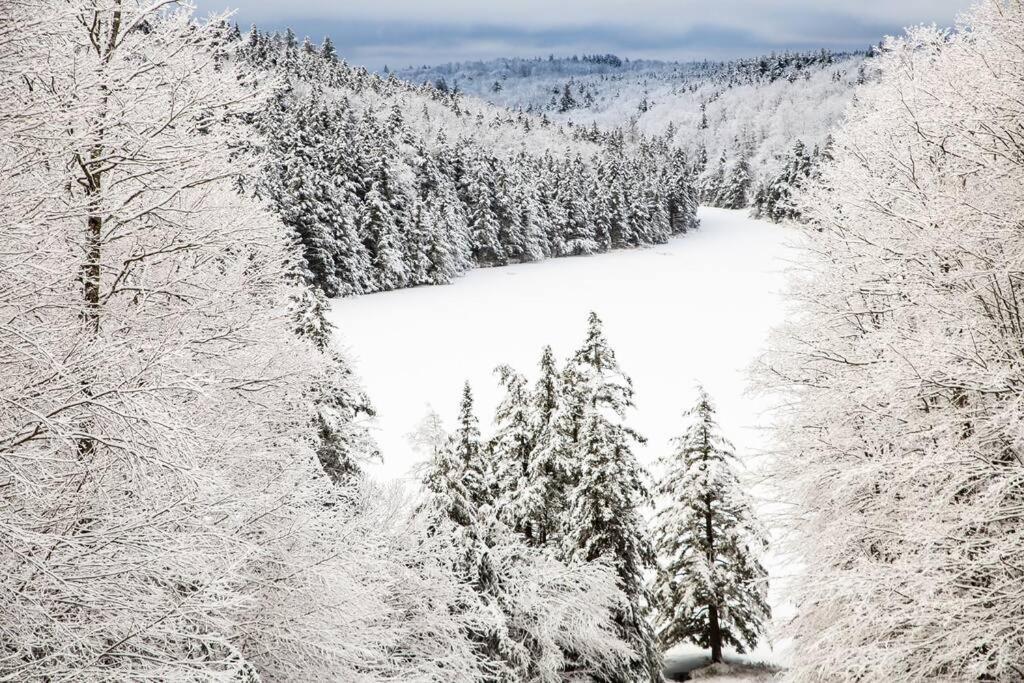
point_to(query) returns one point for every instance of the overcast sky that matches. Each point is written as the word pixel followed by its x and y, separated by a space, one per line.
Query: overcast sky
pixel 403 32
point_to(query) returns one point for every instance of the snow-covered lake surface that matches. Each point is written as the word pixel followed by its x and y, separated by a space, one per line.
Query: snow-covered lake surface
pixel 696 309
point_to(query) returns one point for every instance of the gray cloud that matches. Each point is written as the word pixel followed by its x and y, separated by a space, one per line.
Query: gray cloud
pixel 402 32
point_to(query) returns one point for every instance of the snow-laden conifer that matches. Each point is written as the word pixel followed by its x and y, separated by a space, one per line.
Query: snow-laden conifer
pixel 604 518
pixel 711 588
pixel 530 611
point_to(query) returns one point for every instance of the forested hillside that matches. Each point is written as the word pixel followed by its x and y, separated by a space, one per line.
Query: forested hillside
pixel 754 127
pixel 391 185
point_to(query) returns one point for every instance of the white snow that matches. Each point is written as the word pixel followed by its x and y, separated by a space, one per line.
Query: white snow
pixel 696 309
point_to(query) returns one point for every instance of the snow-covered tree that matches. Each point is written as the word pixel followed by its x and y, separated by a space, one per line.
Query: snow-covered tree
pixel 604 518
pixel 511 450
pixel 430 436
pixel 530 611
pixel 899 443
pixel 344 412
pixel 163 509
pixel 736 186
pixel 467 446
pixel 550 472
pixel 711 588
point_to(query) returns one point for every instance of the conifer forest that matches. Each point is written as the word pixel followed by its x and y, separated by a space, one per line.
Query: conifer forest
pixel 512 342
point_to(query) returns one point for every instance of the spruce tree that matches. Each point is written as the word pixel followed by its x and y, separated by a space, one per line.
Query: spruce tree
pixel 468 449
pixel 737 186
pixel 478 193
pixel 711 588
pixel 511 449
pixel 604 518
pixel 567 102
pixel 344 412
pixel 550 471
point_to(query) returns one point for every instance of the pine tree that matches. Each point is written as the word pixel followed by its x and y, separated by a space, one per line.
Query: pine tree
pixel 711 588
pixel 531 609
pixel 567 102
pixel 577 230
pixel 549 473
pixel 604 521
pixel 737 186
pixel 343 410
pixel 478 191
pixel 327 50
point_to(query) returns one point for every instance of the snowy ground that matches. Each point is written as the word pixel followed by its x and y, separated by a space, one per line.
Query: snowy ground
pixel 696 309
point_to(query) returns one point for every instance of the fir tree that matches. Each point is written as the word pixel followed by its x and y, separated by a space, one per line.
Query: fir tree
pixel 567 102
pixel 344 412
pixel 737 186
pixel 549 473
pixel 711 588
pixel 467 448
pixel 327 50
pixel 484 227
pixel 511 449
pixel 604 518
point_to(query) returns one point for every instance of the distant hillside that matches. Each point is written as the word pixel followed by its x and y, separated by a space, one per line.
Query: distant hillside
pixel 756 121
pixel 389 184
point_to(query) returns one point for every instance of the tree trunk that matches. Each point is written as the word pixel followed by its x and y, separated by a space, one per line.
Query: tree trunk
pixel 714 629
pixel 715 634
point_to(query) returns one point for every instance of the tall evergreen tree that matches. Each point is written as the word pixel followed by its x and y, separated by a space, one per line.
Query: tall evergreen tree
pixel 711 588
pixel 468 448
pixel 734 194
pixel 523 631
pixel 604 518
pixel 549 473
pixel 344 412
pixel 511 449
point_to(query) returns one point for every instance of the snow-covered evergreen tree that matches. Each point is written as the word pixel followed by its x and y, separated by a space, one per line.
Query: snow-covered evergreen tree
pixel 479 193
pixel 468 448
pixel 774 200
pixel 550 473
pixel 604 518
pixel 511 450
pixel 711 588
pixel 736 186
pixel 531 609
pixel 343 410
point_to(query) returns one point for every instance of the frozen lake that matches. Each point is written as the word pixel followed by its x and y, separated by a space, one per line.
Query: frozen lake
pixel 698 308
